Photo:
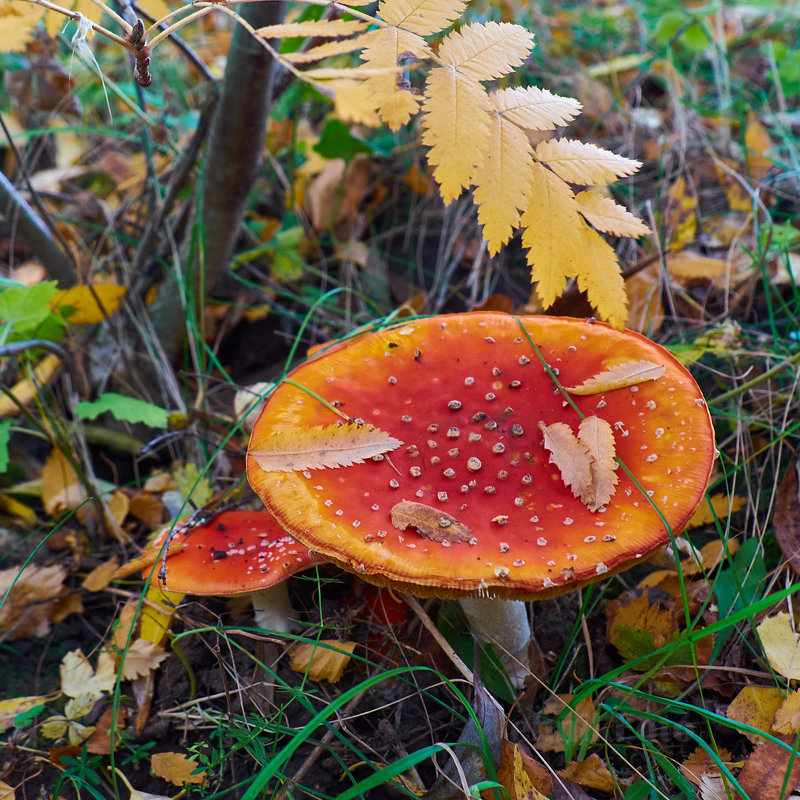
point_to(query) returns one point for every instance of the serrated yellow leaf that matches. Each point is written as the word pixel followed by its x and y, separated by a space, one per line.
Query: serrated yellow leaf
pixel 353 101
pixel 17 21
pixel 140 658
pixel 619 376
pixel 598 438
pixel 486 51
pixel 421 16
pixel 176 768
pixel 582 163
pixel 456 127
pixel 787 716
pixel 501 180
pixel 570 455
pixel 91 303
pixel 605 215
pixel 551 219
pixel 320 447
pixel 383 49
pixel 599 275
pixel 326 28
pixel 534 109
pixel 781 645
pixel 325 50
pixel 718 506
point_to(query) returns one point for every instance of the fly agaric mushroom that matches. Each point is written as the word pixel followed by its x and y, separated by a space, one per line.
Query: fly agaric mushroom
pixel 479 501
pixel 233 553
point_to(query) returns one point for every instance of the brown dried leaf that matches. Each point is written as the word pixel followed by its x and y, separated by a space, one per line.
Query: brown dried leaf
pixel 598 438
pixel 700 763
pixel 176 768
pixel 680 214
pixel 322 663
pixel 787 517
pixel 141 657
pixel 570 455
pixel 147 508
pixel 100 741
pixel 429 522
pixel 763 775
pixel 513 761
pixel 28 608
pixel 101 575
pixel 755 706
pixel 787 717
pixel 591 773
pixel 338 445
pixel 628 374
pixel 574 723
pixel 60 488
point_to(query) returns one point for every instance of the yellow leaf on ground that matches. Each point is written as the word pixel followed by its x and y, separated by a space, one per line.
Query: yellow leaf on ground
pixel 91 303
pixel 7 792
pixel 176 768
pixel 755 706
pixel 534 109
pixel 101 575
pixel 10 708
pixel 758 143
pixel 787 717
pixel 629 373
pixel 30 604
pixel 501 181
pixel 605 215
pixel 598 438
pixel 456 127
pixel 638 615
pixel 592 773
pixel 157 612
pixel 140 658
pixel 514 762
pixel 693 266
pixel 78 677
pixel 60 488
pixel 522 787
pixel 570 455
pixel 582 163
pixel 645 311
pixel 321 447
pixel 716 507
pixel 680 215
pixel 322 663
pixel 781 645
pixel 574 723
pixel 488 50
pixel 25 390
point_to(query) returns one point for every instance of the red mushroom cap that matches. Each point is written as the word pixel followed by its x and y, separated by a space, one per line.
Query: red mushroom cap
pixel 234 552
pixel 467 395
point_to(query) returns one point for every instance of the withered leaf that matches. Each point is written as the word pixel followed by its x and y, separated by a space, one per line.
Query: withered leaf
pixel 618 377
pixel 787 718
pixel 787 517
pixel 570 455
pixel 781 645
pixel 763 776
pixel 591 773
pixel 176 768
pixel 322 663
pixel 429 522
pixel 755 706
pixel 331 446
pixel 598 438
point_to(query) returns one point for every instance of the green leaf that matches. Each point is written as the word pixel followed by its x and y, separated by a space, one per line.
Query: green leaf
pixel 127 409
pixel 192 486
pixel 639 791
pixel 25 307
pixel 337 142
pixel 25 718
pixel 5 436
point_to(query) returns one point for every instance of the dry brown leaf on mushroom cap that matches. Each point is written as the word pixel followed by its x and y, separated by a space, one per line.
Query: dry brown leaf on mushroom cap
pixel 464 393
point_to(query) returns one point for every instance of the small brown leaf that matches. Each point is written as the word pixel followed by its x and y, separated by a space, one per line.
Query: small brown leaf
pixel 176 768
pixel 571 456
pixel 101 575
pixel 574 723
pixel 763 776
pixel 322 663
pixel 592 773
pixel 429 522
pixel 787 517
pixel 618 377
pixel 598 438
pixel 29 605
pixel 338 445
pixel 700 763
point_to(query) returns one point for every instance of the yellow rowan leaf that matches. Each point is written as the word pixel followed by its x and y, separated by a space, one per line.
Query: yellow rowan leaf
pixel 353 101
pixel 605 215
pixel 332 28
pixel 550 219
pixel 597 437
pixel 570 455
pixel 322 663
pixel 781 645
pixel 17 21
pixel 421 16
pixel 456 127
pixel 599 275
pixel 488 50
pixel 321 447
pixel 534 109
pixel 91 304
pixel 583 163
pixel 383 49
pixel 691 265
pixel 787 717
pixel 629 373
pixel 501 180
pixel 721 507
pixel 325 50
pixel 755 706
pixel 140 658
pixel 176 768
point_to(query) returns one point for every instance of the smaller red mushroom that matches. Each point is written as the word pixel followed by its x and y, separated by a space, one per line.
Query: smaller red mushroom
pixel 234 553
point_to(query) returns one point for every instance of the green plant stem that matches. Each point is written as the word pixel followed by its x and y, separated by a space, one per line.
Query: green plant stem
pixel 765 376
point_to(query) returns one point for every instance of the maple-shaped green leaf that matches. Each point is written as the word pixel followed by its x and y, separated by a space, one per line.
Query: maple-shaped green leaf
pixel 24 308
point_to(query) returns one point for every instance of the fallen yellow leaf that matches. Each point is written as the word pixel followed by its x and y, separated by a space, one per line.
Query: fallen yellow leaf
pixel 176 768
pixel 322 663
pixel 781 645
pixel 755 706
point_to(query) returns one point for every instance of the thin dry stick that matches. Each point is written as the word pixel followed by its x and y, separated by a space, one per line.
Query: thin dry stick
pixel 415 606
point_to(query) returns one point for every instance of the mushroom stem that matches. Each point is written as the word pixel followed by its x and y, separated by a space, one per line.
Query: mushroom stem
pixel 273 609
pixel 503 623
